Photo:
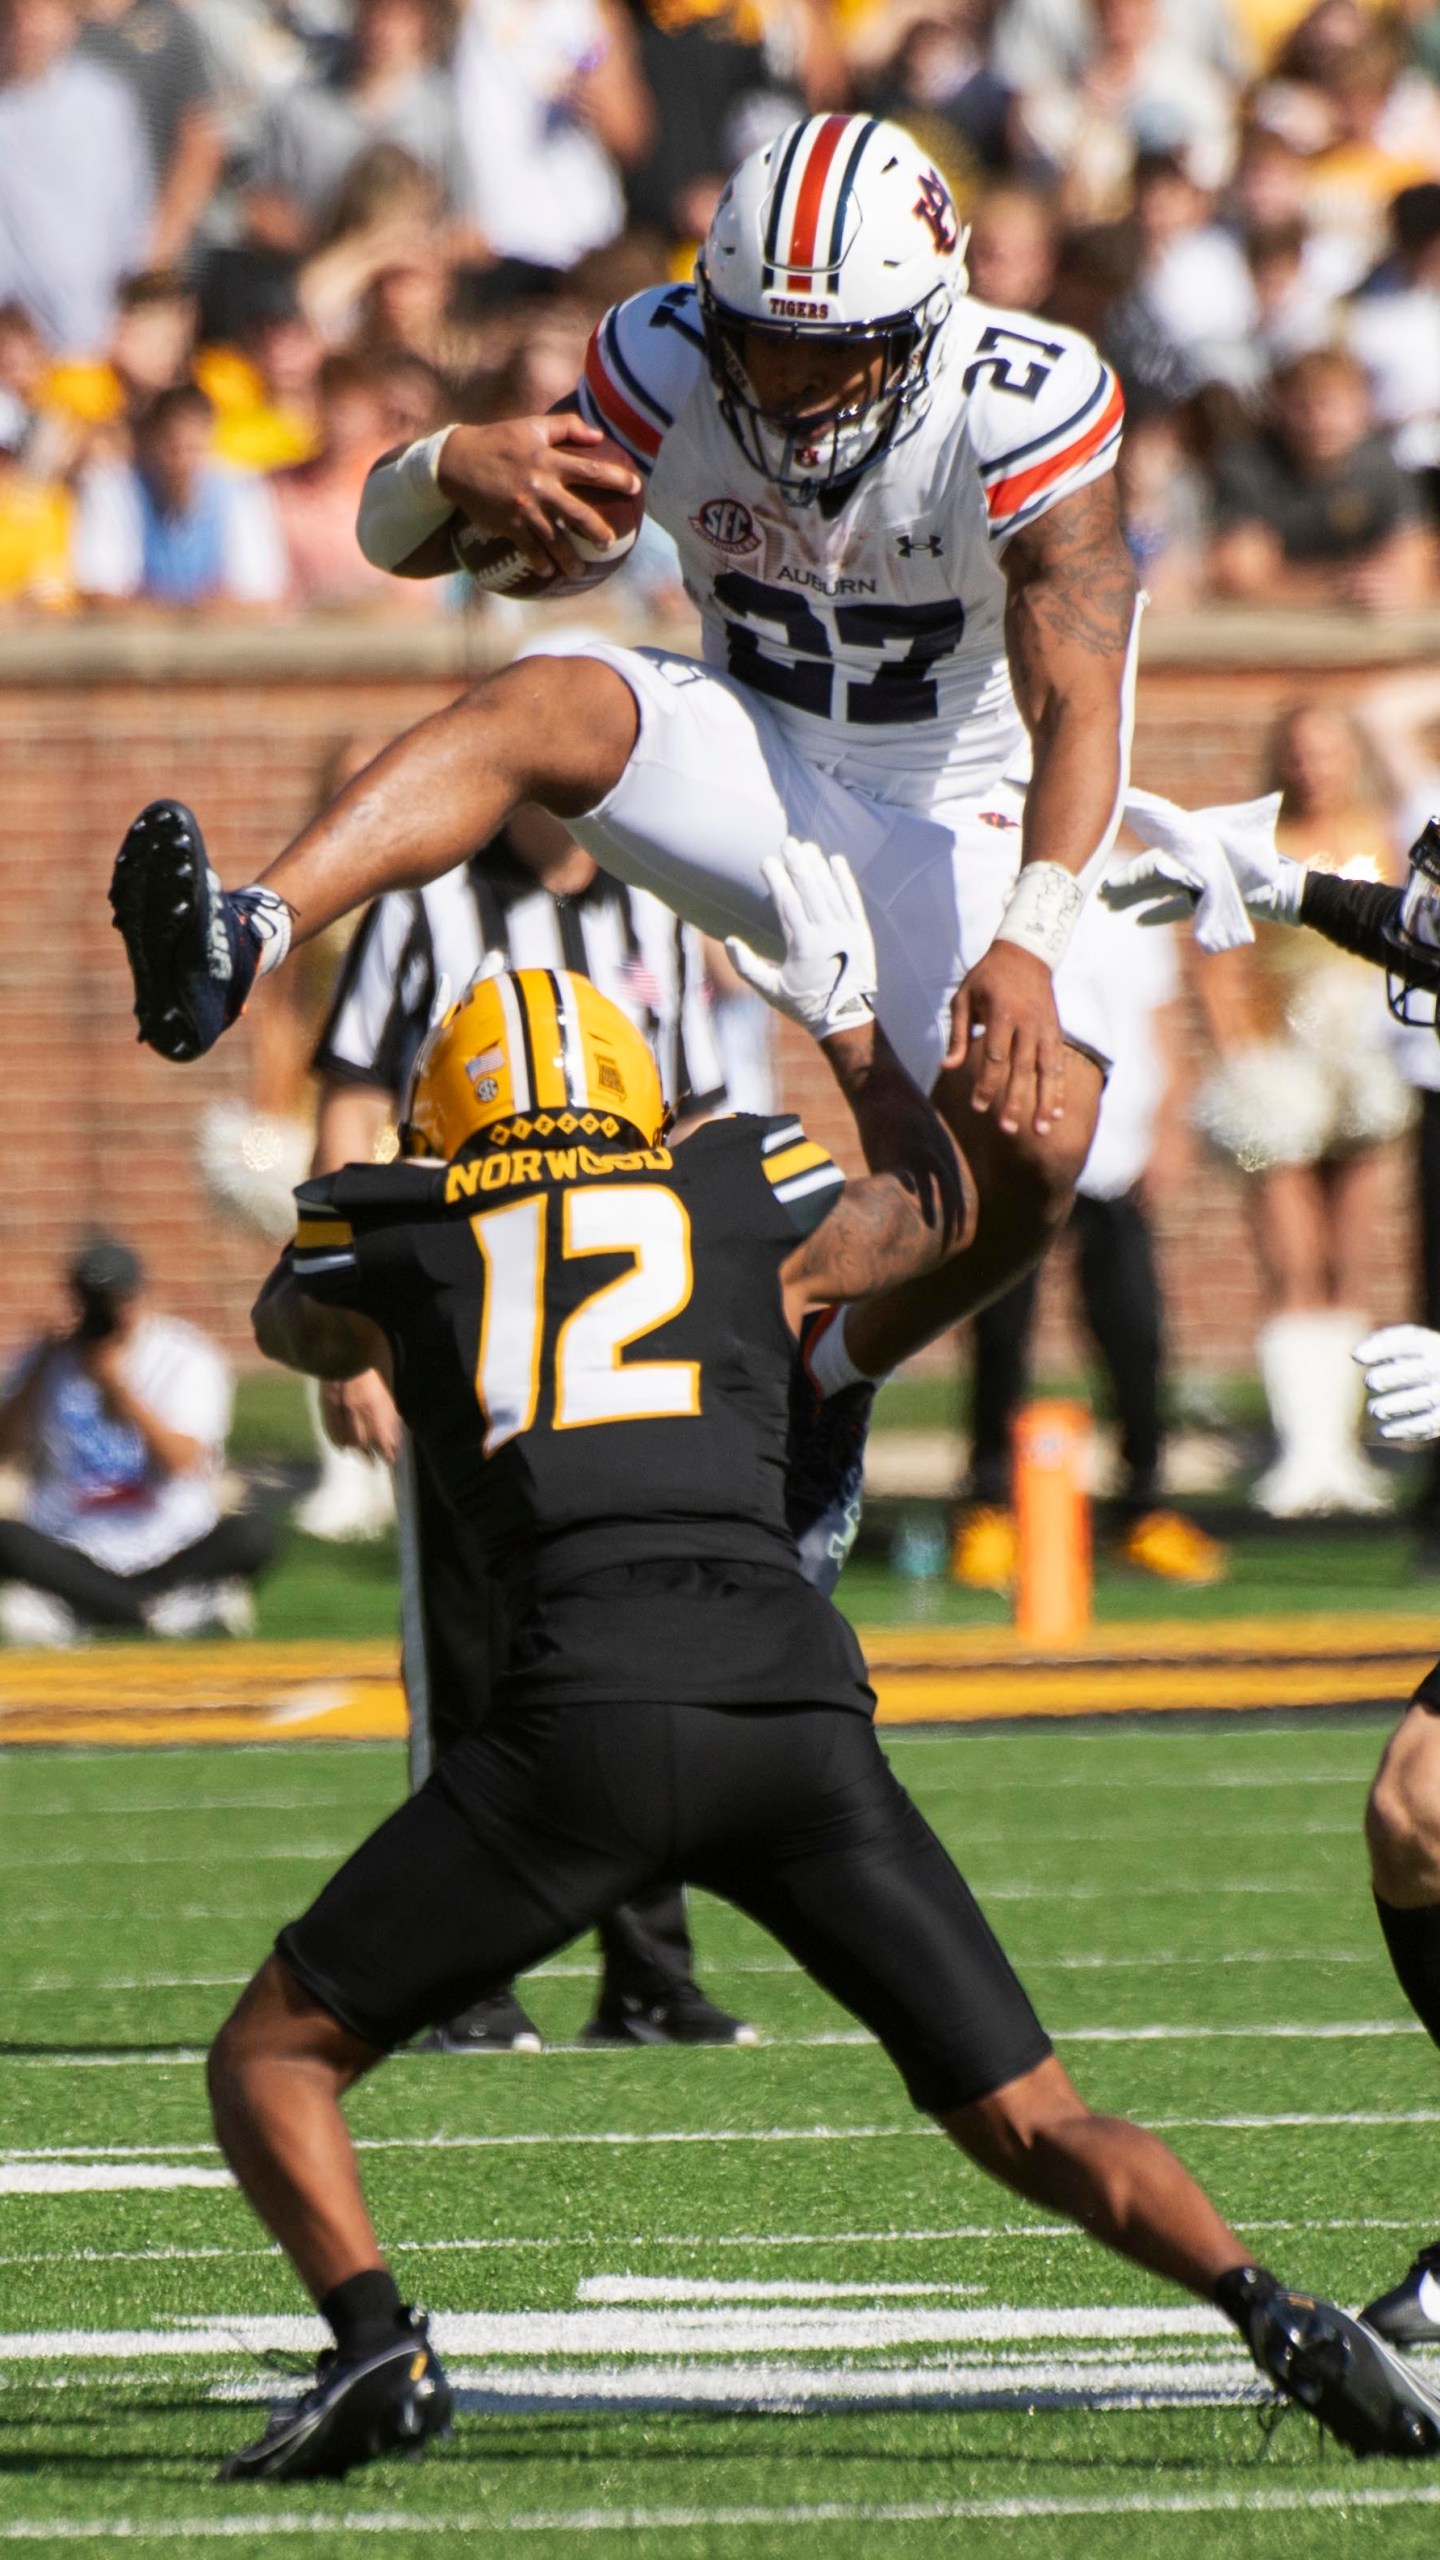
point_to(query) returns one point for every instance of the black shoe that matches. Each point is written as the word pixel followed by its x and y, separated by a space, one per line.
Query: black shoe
pixel 825 1467
pixel 494 2025
pixel 393 2400
pixel 1338 2369
pixel 682 2017
pixel 193 948
pixel 1409 2315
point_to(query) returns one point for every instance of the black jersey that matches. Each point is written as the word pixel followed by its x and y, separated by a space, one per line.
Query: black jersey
pixel 589 1342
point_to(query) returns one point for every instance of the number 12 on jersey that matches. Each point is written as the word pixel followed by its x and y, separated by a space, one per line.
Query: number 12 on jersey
pixel 593 1382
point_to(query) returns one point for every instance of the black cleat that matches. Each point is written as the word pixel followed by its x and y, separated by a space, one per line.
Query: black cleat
pixel 193 948
pixel 496 2024
pixel 360 2408
pixel 1333 2365
pixel 1409 2314
pixel 683 2017
pixel 825 1466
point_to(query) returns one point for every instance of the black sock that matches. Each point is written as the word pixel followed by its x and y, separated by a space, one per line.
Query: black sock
pixel 1240 2289
pixel 1413 1938
pixel 364 2311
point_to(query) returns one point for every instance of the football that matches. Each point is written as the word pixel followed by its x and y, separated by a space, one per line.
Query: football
pixel 494 563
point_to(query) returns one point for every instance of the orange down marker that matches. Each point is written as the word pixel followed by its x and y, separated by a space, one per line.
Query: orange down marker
pixel 1052 1522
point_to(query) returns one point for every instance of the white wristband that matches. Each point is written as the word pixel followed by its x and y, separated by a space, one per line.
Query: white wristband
pixel 402 502
pixel 1043 911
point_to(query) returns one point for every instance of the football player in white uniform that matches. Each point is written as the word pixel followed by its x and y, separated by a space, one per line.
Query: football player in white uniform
pixel 896 512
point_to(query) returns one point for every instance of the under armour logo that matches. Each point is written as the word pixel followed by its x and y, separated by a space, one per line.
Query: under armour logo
pixel 907 544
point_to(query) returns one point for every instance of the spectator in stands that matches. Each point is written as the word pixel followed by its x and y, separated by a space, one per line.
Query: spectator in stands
pixel 1013 247
pixel 76 195
pixel 553 106
pixel 1051 43
pixel 1140 90
pixel 92 403
pixel 387 86
pixel 935 78
pixel 388 209
pixel 1292 313
pixel 1305 1094
pixel 24 364
pixel 1164 510
pixel 316 503
pixel 1393 327
pixel 1366 128
pixel 174 528
pixel 1192 278
pixel 119 1421
pixel 1316 509
pixel 266 389
pixel 34 532
pixel 156 48
pixel 724 75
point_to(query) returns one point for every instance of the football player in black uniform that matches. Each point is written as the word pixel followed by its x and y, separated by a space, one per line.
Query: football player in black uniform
pixel 591 1335
pixel 1399 929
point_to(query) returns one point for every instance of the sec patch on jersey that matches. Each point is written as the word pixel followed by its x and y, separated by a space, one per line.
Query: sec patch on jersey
pixel 494 563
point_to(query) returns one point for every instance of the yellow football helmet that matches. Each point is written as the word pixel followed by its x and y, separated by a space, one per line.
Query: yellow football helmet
pixel 524 1048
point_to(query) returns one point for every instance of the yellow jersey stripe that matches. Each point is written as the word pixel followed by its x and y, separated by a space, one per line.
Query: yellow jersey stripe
pixel 795 1160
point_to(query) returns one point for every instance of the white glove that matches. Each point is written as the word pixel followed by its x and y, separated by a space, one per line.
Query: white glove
pixel 826 981
pixel 1402 1381
pixel 1219 865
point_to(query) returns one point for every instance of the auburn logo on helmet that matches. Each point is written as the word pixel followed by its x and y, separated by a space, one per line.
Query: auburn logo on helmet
pixel 935 206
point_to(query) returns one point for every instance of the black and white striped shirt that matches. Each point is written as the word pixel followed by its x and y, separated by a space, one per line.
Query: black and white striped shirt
pixel 633 948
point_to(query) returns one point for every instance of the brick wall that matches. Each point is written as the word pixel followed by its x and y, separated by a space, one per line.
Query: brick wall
pixel 95 721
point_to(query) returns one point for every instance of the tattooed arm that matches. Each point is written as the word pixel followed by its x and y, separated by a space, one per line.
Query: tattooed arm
pixel 1068 615
pixel 916 1208
pixel 1068 619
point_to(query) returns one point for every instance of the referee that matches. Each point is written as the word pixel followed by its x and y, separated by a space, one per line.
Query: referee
pixel 536 897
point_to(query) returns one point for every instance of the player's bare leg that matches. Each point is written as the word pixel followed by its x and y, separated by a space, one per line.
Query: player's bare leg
pixel 1128 2191
pixel 1024 1184
pixel 277 2072
pixel 556 730
pixel 1120 2183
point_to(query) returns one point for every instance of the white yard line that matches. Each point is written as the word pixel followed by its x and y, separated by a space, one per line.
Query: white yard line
pixel 176 2057
pixel 435 2523
pixel 77 2177
pixel 551 2139
pixel 700 2242
pixel 717 2289
pixel 671 2333
pixel 212 1855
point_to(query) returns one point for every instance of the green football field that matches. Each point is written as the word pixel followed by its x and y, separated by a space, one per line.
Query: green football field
pixel 719 2303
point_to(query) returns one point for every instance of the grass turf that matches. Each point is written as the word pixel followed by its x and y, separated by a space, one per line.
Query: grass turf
pixel 1208 1882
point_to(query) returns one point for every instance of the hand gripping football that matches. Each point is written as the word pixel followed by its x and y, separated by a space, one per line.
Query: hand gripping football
pixel 492 560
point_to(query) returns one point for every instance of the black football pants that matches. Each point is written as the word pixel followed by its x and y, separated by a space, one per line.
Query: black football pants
pixel 1120 1295
pixel 645 1940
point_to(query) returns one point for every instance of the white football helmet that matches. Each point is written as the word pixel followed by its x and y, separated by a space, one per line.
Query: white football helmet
pixel 840 228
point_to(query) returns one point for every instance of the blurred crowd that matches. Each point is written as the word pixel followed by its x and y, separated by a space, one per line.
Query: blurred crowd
pixel 245 245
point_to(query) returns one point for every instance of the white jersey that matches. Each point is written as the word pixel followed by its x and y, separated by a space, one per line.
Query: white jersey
pixel 876 632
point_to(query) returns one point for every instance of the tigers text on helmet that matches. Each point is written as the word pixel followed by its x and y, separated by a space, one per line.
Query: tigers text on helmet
pixel 842 230
pixel 1412 980
pixel 530 1053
